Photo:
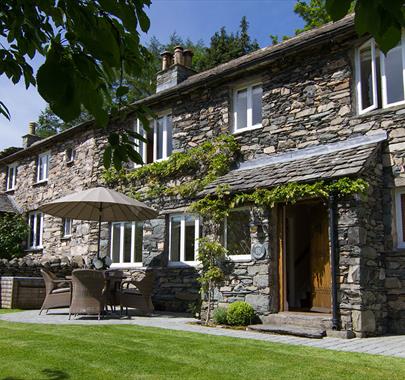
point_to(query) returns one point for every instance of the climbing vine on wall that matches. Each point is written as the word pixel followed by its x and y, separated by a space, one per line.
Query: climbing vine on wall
pixel 183 173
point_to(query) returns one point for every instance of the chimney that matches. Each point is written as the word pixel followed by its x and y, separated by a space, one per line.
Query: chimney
pixel 31 136
pixel 175 68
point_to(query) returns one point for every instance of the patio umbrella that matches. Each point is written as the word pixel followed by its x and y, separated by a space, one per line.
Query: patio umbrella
pixel 99 204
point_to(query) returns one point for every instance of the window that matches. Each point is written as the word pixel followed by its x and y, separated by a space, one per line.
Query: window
pixel 380 78
pixel 126 243
pixel 35 223
pixel 11 177
pixel 70 155
pixel 43 167
pixel 183 238
pixel 236 234
pixel 162 138
pixel 67 227
pixel 400 216
pixel 247 104
pixel 141 147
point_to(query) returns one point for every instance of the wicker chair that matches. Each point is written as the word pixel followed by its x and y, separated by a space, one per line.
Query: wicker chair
pixel 58 292
pixel 113 283
pixel 137 293
pixel 88 292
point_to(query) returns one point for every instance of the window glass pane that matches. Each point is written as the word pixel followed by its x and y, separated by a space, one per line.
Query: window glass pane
pixel 169 135
pixel 67 226
pixel 138 242
pixel 238 232
pixel 403 215
pixel 11 177
pixel 241 109
pixel 116 242
pixel 31 238
pixel 366 77
pixel 159 138
pixel 40 169
pixel 175 238
pixel 39 229
pixel 393 73
pixel 189 254
pixel 127 242
pixel 257 105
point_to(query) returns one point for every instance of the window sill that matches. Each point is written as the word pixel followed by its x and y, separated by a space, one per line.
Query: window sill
pixel 183 264
pixel 10 191
pixel 70 163
pixel 41 183
pixel 379 111
pixel 252 128
pixel 126 265
pixel 240 258
pixel 67 237
pixel 34 250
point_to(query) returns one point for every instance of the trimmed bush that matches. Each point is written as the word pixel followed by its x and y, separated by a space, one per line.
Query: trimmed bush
pixel 13 231
pixel 220 316
pixel 240 314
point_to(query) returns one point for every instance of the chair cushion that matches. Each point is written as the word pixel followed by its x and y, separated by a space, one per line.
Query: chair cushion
pixel 60 290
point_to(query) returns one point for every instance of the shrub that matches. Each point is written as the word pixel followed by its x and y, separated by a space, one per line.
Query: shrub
pixel 13 231
pixel 240 314
pixel 220 316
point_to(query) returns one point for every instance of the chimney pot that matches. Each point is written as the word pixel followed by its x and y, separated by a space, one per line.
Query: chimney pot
pixel 167 60
pixel 178 55
pixel 32 126
pixel 188 57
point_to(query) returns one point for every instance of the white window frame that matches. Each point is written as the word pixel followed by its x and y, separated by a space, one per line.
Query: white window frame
pixel 37 214
pixel 67 222
pixel 46 166
pixel 398 217
pixel 249 118
pixel 121 263
pixel 165 118
pixel 371 43
pixel 197 224
pixel 137 129
pixel 235 257
pixel 11 169
pixel 72 157
pixel 385 103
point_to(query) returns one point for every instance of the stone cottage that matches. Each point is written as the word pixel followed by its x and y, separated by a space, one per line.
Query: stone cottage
pixel 321 106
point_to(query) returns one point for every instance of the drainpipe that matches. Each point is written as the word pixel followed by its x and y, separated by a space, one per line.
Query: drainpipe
pixel 334 251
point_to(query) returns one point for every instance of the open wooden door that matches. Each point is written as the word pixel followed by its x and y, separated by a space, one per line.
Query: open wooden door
pixel 320 261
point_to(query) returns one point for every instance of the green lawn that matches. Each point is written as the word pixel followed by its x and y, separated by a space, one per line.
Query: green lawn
pixel 132 352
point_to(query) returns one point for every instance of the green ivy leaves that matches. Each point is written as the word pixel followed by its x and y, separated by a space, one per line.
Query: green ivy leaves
pixel 13 231
pixel 383 19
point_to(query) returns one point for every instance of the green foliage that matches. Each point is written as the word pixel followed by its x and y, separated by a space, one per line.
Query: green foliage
pixel 13 231
pixel 240 313
pixel 313 12
pixel 383 19
pixel 220 316
pixel 207 162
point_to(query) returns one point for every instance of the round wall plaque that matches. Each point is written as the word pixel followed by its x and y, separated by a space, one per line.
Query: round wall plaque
pixel 258 251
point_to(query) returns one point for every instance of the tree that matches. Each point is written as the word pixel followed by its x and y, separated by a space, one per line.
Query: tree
pixel 13 231
pixel 87 45
pixel 313 13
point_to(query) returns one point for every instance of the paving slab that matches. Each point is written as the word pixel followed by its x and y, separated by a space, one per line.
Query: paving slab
pixel 387 345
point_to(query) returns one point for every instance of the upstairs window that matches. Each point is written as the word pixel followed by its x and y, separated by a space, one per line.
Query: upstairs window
pixel 70 155
pixel 11 177
pixel 127 243
pixel 43 167
pixel 380 78
pixel 67 227
pixel 162 138
pixel 35 223
pixel 247 106
pixel 183 238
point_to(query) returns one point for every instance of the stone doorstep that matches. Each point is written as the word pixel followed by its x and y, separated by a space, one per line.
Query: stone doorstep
pixel 304 332
pixel 301 319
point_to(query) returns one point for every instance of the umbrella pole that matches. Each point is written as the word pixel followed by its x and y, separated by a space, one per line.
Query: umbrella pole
pixel 99 230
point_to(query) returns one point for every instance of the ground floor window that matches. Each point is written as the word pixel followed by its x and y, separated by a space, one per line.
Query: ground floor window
pixel 236 234
pixel 67 227
pixel 35 223
pixel 126 243
pixel 183 238
pixel 400 216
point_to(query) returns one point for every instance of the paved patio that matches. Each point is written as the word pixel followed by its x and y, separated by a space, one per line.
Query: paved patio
pixel 387 345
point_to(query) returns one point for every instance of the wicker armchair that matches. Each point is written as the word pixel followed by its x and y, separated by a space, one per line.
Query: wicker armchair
pixel 58 292
pixel 88 294
pixel 137 293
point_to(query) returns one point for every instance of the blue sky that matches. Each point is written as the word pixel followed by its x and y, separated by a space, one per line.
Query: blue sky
pixel 196 19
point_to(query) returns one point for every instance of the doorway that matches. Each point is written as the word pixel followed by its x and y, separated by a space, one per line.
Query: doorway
pixel 304 267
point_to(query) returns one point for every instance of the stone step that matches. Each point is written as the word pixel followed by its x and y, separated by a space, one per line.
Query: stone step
pixel 308 320
pixel 305 332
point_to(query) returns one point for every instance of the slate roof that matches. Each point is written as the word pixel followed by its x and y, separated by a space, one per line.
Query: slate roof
pixel 7 204
pixel 347 158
